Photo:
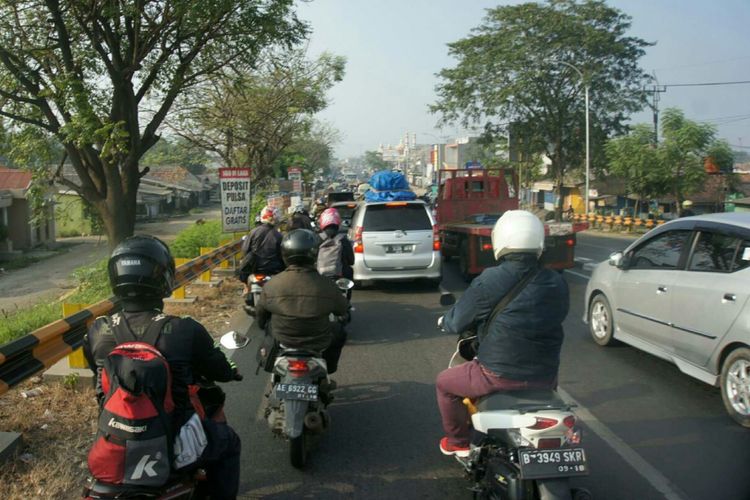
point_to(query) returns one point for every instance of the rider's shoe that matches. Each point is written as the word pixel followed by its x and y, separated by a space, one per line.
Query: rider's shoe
pixel 449 449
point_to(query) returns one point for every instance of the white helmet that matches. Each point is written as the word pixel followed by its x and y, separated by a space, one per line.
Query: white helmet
pixel 517 231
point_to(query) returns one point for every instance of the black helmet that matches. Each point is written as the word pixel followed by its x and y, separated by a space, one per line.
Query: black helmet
pixel 300 247
pixel 141 267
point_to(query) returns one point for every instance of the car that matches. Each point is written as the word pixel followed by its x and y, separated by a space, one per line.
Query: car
pixel 680 292
pixel 395 241
pixel 345 209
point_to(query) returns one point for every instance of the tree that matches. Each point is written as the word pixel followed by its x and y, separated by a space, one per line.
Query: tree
pixel 176 152
pixel 374 161
pixel 101 76
pixel 636 159
pixel 248 118
pixel 516 67
pixel 312 151
pixel 677 165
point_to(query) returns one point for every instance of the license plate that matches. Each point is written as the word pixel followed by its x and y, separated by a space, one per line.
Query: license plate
pixel 398 249
pixel 304 392
pixel 536 464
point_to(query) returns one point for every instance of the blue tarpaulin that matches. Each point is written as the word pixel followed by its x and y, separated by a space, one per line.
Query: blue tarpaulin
pixel 386 180
pixel 390 196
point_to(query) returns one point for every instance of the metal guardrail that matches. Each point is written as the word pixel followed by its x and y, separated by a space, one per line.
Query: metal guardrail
pixel 40 349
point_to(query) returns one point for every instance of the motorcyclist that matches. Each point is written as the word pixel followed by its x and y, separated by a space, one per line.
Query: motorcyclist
pixel 296 304
pixel 687 209
pixel 340 247
pixel 141 274
pixel 264 242
pixel 320 206
pixel 300 218
pixel 522 347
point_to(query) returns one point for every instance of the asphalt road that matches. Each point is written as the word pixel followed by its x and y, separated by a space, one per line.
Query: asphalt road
pixel 650 431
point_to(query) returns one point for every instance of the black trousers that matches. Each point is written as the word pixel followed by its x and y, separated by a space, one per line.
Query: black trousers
pixel 221 460
pixel 333 352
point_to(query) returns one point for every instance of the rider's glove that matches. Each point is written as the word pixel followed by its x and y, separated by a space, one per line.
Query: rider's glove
pixel 237 375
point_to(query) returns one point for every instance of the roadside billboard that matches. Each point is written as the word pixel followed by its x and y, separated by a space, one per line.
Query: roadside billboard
pixel 235 199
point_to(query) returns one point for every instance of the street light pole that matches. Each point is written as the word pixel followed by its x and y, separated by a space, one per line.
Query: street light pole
pixel 588 151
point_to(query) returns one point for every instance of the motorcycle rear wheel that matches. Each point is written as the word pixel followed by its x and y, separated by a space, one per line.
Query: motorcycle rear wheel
pixel 298 450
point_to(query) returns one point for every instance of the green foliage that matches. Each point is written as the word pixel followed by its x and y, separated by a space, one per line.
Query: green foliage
pixel 516 67
pixel 250 117
pixel 374 161
pixel 70 381
pixel 93 284
pixel 179 152
pixel 675 165
pixel 101 78
pixel 187 244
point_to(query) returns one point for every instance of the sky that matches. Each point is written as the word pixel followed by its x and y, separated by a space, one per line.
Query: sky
pixel 394 48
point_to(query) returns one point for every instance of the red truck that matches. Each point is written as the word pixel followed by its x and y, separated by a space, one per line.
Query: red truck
pixel 469 202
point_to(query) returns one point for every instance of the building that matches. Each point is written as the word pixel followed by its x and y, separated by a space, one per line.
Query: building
pixel 16 217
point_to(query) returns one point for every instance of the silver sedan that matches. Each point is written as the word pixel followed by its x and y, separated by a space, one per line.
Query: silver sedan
pixel 681 292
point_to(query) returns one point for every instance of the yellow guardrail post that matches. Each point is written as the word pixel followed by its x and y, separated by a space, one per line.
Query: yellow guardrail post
pixel 179 293
pixel 76 359
pixel 225 263
pixel 206 277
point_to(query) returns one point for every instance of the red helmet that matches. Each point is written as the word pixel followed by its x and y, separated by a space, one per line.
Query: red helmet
pixel 329 217
pixel 270 215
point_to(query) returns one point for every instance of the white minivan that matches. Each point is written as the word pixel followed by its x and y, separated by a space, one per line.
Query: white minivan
pixel 394 241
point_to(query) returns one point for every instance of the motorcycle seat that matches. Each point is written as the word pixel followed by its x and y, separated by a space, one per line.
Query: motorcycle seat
pixel 523 401
pixel 294 351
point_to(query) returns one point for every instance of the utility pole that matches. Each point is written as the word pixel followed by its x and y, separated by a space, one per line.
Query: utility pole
pixel 655 90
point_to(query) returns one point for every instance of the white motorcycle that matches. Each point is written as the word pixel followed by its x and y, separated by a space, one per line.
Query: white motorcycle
pixel 525 444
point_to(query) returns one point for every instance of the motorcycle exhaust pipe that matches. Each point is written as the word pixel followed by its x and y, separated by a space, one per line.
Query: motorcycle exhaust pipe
pixel 314 422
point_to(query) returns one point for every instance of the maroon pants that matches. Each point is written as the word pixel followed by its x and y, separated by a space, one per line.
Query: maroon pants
pixel 471 380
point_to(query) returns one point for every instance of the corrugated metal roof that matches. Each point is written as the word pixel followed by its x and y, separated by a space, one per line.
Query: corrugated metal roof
pixel 14 179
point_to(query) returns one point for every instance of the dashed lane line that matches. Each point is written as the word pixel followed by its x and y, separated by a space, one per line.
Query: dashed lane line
pixel 580 275
pixel 637 462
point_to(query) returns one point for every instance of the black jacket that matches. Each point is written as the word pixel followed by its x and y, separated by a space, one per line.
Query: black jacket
pixel 524 341
pixel 298 302
pixel 185 343
pixel 265 242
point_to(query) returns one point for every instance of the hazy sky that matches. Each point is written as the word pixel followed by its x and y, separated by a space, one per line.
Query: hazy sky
pixel 395 47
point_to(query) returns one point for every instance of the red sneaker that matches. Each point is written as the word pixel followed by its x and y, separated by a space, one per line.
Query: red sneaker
pixel 448 449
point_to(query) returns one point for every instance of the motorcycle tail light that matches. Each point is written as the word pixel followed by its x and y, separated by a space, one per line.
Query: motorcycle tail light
pixel 547 443
pixel 298 367
pixel 569 421
pixel 570 242
pixel 258 278
pixel 543 423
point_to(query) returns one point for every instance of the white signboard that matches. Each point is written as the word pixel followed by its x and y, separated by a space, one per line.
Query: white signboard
pixel 235 199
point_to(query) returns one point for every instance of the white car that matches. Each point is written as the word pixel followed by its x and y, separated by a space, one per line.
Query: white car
pixel 395 241
pixel 681 292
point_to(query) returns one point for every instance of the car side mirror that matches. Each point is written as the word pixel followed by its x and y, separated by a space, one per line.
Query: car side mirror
pixel 617 259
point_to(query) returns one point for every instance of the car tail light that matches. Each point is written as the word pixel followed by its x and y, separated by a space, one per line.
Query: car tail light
pixel 396 204
pixel 547 443
pixel 435 239
pixel 358 245
pixel 298 367
pixel 543 423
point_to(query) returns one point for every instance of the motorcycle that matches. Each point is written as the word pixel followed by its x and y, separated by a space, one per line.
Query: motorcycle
pixel 525 444
pixel 300 393
pixel 256 282
pixel 182 485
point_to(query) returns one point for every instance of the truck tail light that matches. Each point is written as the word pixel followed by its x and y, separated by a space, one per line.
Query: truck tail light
pixel 435 239
pixel 358 245
pixel 570 242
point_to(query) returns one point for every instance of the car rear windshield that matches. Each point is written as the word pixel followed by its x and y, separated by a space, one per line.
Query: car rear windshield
pixel 345 211
pixel 394 216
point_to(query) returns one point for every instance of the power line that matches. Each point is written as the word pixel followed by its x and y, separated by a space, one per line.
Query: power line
pixel 705 84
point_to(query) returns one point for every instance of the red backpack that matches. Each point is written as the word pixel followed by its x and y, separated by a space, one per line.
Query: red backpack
pixel 135 430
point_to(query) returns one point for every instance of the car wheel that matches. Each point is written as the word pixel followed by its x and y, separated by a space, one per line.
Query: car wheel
pixel 601 323
pixel 735 385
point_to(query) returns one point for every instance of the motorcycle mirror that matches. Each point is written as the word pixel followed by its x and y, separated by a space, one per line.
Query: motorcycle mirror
pixel 344 284
pixel 447 299
pixel 234 340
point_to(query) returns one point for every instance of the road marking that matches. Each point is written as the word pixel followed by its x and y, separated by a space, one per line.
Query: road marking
pixel 637 462
pixel 580 275
pixel 583 259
